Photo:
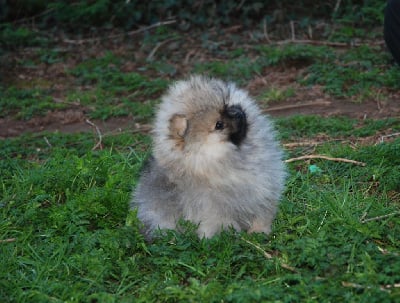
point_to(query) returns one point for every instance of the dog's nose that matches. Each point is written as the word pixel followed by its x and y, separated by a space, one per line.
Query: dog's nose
pixel 237 123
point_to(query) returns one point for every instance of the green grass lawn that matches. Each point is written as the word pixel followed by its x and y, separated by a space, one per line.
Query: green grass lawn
pixel 67 236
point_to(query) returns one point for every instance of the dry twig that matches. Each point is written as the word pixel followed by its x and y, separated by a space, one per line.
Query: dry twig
pixel 131 33
pixel 353 285
pixel 396 285
pixel 155 49
pixel 99 143
pixel 298 105
pixel 309 157
pixel 327 43
pixel 8 240
pixel 143 128
pixel 292 30
pixel 265 30
pixel 388 136
pixel 386 252
pixel 301 144
pixel 337 5
pixel 385 288
pixel 189 54
pixel 269 256
pixel 379 217
pixel 47 142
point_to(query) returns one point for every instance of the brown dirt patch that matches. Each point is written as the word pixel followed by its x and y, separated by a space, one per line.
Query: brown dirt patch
pixel 304 103
pixel 68 121
pixel 313 101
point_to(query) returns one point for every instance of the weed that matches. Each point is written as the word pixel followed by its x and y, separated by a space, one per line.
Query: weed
pixel 275 95
pixel 115 93
pixel 303 55
pixel 353 73
pixel 239 70
pixel 25 103
pixel 310 126
pixel 15 37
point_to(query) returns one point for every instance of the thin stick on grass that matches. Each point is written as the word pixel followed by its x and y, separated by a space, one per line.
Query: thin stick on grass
pixel 298 105
pixel 155 49
pixel 353 285
pixel 396 285
pixel 99 143
pixel 301 144
pixel 47 142
pixel 357 286
pixel 269 256
pixel 385 288
pixel 337 5
pixel 380 217
pixel 309 157
pixel 265 29
pixel 142 128
pixel 389 136
pixel 327 43
pixel 322 222
pixel 386 252
pixel 131 33
pixel 292 30
pixel 8 240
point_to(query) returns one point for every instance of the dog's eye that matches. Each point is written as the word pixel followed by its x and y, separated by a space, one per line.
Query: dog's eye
pixel 219 125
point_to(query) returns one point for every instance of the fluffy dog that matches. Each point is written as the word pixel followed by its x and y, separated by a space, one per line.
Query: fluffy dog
pixel 215 162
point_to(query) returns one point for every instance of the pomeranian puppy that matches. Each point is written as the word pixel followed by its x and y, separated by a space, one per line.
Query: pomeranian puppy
pixel 215 162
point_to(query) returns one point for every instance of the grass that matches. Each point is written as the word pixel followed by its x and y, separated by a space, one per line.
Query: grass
pixel 115 93
pixel 64 211
pixel 341 74
pixel 239 69
pixel 107 92
pixel 24 103
pixel 66 232
pixel 273 94
pixel 358 72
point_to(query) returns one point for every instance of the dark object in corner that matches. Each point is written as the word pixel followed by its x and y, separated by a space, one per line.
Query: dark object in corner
pixel 392 28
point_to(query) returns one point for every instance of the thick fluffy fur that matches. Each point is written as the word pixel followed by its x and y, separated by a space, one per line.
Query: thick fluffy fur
pixel 215 162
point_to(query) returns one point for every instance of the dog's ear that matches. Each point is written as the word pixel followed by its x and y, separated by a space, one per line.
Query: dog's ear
pixel 178 125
